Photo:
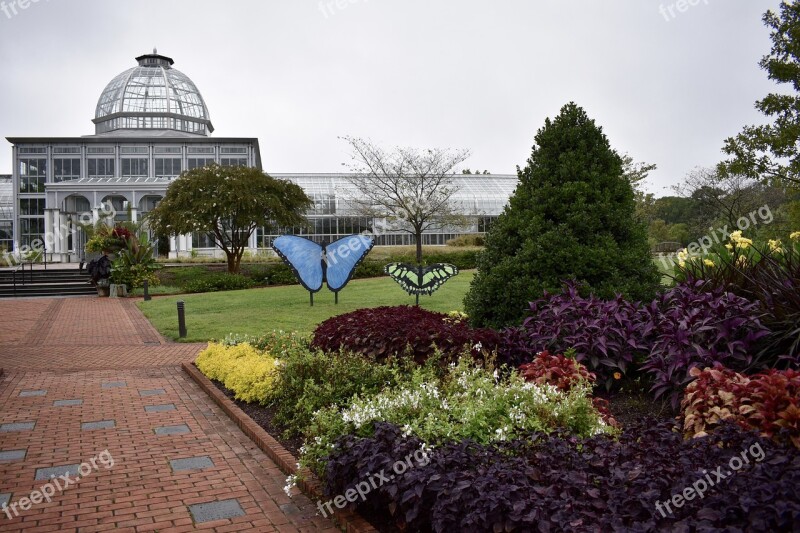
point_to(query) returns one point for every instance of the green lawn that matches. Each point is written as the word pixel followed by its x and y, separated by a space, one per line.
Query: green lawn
pixel 256 311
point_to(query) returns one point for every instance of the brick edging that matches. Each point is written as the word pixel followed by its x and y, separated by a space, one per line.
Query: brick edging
pixel 351 521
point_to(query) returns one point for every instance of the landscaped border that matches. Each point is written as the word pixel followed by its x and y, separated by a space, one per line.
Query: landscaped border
pixel 351 521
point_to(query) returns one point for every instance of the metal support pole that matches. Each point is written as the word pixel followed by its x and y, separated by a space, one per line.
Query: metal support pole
pixel 146 293
pixel 311 294
pixel 181 319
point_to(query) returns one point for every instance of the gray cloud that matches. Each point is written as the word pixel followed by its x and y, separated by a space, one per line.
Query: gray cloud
pixel 464 74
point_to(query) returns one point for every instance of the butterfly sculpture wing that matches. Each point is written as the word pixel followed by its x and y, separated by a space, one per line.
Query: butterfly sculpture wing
pixel 304 257
pixel 420 280
pixel 342 257
pixel 434 276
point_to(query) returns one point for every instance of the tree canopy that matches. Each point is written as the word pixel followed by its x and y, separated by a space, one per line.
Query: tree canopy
pixel 771 152
pixel 411 189
pixel 571 217
pixel 228 203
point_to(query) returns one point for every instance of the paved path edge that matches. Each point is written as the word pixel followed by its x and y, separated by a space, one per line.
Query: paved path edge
pixel 350 520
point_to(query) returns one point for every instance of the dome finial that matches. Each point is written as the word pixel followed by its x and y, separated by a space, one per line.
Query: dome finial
pixel 155 51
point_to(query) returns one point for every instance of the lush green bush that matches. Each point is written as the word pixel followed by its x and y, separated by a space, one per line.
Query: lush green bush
pixel 571 217
pixel 468 402
pixel 219 281
pixel 383 333
pixel 135 263
pixel 468 240
pixel 278 343
pixel 246 371
pixel 308 381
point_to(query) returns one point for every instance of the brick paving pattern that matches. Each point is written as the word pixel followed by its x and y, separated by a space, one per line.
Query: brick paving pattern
pixel 96 385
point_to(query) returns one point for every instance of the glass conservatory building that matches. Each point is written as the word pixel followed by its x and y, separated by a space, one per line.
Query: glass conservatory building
pixel 151 124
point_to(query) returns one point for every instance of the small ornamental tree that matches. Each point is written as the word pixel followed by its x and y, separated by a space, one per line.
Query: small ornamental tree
pixel 228 203
pixel 572 216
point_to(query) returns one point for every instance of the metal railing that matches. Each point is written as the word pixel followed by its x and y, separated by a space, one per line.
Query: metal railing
pixel 21 267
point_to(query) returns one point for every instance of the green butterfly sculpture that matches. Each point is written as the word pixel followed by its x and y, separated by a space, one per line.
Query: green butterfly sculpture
pixel 416 280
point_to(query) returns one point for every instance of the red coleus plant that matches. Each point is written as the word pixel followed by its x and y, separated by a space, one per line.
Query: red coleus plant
pixel 767 402
pixel 556 370
pixel 564 373
pixel 713 397
pixel 772 403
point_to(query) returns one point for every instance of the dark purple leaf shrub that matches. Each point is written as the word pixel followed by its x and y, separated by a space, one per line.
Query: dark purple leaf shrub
pixel 692 324
pixel 384 332
pixel 559 483
pixel 607 336
pixel 696 325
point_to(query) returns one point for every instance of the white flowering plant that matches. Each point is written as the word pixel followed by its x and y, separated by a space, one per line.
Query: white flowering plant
pixel 469 402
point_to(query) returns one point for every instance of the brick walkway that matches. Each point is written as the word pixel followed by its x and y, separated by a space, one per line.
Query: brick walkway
pixel 88 382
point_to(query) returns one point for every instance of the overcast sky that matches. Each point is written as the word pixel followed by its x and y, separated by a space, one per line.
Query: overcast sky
pixel 481 75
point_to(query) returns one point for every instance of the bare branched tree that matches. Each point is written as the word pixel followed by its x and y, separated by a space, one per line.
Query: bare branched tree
pixel 723 197
pixel 411 189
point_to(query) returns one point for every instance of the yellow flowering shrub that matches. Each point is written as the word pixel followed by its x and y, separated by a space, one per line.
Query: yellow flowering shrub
pixel 243 369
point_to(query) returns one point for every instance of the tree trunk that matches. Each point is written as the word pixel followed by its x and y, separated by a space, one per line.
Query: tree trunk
pixel 418 236
pixel 233 267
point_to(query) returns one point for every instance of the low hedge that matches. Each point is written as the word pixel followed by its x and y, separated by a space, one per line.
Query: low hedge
pixel 383 333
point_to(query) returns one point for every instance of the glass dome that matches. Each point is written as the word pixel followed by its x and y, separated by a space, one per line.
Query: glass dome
pixel 152 96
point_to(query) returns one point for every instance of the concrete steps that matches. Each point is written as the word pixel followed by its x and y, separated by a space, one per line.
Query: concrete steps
pixel 40 282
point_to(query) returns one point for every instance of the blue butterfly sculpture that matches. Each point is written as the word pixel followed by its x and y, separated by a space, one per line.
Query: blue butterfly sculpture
pixel 332 263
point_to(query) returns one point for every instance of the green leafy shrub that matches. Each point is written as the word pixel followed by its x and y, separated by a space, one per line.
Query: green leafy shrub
pixel 281 344
pixel 571 217
pixel 135 263
pixel 280 274
pixel 467 403
pixel 103 237
pixel 220 281
pixel 308 381
pixel 467 240
pixel 246 371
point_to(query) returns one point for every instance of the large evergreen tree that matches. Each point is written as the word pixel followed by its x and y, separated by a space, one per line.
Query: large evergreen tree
pixel 572 216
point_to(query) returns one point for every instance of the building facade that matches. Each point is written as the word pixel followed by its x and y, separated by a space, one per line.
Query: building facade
pixel 151 124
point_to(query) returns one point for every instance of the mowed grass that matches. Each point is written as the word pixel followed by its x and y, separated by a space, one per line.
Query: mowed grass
pixel 256 311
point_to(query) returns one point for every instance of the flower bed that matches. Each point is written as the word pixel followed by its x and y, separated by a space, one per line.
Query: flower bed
pixel 404 414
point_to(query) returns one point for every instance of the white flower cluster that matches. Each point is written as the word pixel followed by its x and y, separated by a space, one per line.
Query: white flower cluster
pixel 404 399
pixel 291 482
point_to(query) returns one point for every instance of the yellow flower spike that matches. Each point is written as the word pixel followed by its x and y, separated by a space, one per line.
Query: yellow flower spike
pixel 729 246
pixel 795 236
pixel 736 236
pixel 708 263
